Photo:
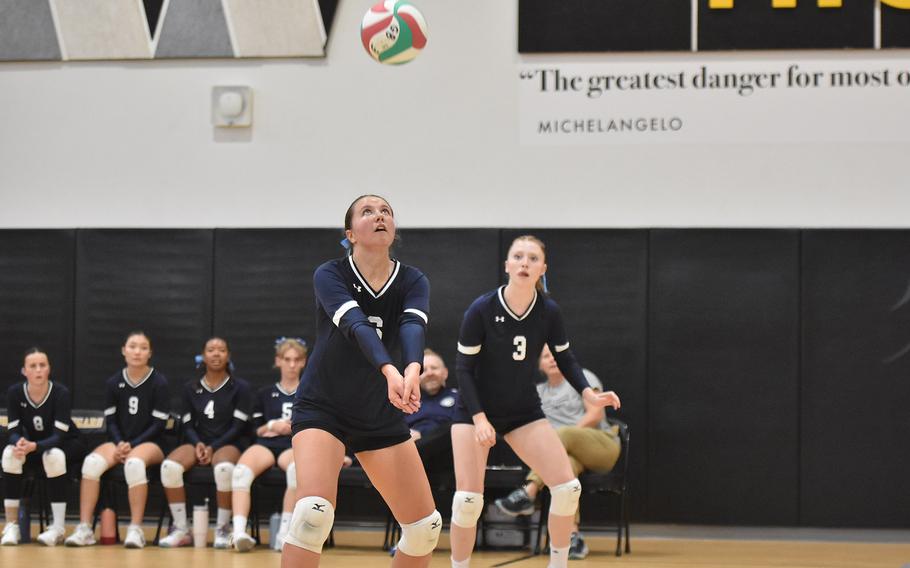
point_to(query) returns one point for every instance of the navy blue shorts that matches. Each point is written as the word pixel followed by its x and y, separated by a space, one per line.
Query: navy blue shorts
pixel 502 425
pixel 308 416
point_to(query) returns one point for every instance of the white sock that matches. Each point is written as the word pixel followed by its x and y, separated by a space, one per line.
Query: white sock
pixel 11 504
pixel 178 511
pixel 137 527
pixel 239 524
pixel 285 522
pixel 58 510
pixel 559 557
pixel 461 563
pixel 224 517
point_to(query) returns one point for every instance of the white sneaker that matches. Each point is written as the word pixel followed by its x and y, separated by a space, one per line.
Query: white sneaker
pixel 243 542
pixel 52 536
pixel 11 535
pixel 223 537
pixel 135 538
pixel 279 540
pixel 82 536
pixel 176 538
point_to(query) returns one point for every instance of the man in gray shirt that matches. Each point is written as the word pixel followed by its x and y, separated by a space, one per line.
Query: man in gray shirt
pixel 592 444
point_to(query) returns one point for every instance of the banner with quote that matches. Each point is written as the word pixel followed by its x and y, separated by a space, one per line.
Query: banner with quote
pixel 715 101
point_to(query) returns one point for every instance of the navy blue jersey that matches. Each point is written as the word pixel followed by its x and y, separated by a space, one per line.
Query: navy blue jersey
pixel 436 411
pixel 136 413
pixel 46 422
pixel 216 417
pixel 273 403
pixel 498 354
pixel 358 329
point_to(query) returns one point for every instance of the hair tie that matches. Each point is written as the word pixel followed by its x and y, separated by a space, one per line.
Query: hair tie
pixel 543 281
pixel 282 339
pixel 346 243
pixel 198 360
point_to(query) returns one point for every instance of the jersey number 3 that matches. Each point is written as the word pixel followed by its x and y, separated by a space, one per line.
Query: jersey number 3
pixel 521 347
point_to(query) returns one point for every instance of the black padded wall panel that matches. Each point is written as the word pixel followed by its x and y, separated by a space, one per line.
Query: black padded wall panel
pixel 36 301
pixel 461 265
pixel 264 290
pixel 723 351
pixel 599 279
pixel 156 280
pixel 856 378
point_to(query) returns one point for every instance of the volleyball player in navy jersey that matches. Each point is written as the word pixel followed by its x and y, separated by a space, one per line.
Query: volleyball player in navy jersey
pixel 367 305
pixel 215 418
pixel 272 420
pixel 41 435
pixel 137 403
pixel 501 336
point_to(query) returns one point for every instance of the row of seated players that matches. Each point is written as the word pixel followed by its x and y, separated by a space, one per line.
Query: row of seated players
pixel 215 417
pixel 216 414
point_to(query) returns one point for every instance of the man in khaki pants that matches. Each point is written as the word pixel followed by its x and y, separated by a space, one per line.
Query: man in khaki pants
pixel 591 443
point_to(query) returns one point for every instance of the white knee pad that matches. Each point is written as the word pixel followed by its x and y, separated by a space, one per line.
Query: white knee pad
pixel 291 474
pixel 564 498
pixel 310 524
pixel 466 508
pixel 54 462
pixel 171 474
pixel 242 478
pixel 420 538
pixel 134 472
pixel 224 473
pixel 12 464
pixel 93 467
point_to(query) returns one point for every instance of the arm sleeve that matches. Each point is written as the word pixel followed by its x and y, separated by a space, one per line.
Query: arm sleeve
pixel 14 419
pixel 187 419
pixel 241 420
pixel 333 295
pixel 565 359
pixel 470 342
pixel 62 422
pixel 413 322
pixel 258 417
pixel 160 412
pixel 110 414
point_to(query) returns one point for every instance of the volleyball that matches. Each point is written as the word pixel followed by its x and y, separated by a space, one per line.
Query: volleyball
pixel 393 32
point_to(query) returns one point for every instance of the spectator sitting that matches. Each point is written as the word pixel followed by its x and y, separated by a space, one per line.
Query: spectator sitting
pixel 430 424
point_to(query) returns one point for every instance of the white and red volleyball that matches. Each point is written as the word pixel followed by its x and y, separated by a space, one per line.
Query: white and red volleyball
pixel 393 32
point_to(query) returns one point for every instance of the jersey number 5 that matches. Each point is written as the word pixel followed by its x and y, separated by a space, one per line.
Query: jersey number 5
pixel 209 409
pixel 521 347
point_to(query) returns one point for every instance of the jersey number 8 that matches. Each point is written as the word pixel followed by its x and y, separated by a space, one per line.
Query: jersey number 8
pixel 39 423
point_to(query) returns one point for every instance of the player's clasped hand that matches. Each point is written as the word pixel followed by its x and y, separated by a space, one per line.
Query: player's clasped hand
pixel 601 399
pixel 484 432
pixel 401 390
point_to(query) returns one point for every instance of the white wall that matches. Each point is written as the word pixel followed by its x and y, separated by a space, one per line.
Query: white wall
pixel 129 144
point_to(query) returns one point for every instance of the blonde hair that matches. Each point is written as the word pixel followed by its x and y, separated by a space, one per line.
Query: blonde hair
pixel 531 238
pixel 286 344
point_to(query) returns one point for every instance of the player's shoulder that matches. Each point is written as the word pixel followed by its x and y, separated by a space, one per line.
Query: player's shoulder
pixel 59 389
pixel 483 302
pixel 15 391
pixel 334 266
pixel 240 382
pixel 158 377
pixel 410 274
pixel 266 390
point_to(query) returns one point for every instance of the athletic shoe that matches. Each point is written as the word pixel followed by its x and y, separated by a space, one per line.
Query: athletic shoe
pixel 11 535
pixel 577 547
pixel 243 542
pixel 223 537
pixel 279 540
pixel 82 536
pixel 176 538
pixel 135 538
pixel 51 537
pixel 516 503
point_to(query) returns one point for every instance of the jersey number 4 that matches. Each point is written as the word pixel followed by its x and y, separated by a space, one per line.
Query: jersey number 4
pixel 209 410
pixel 521 347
